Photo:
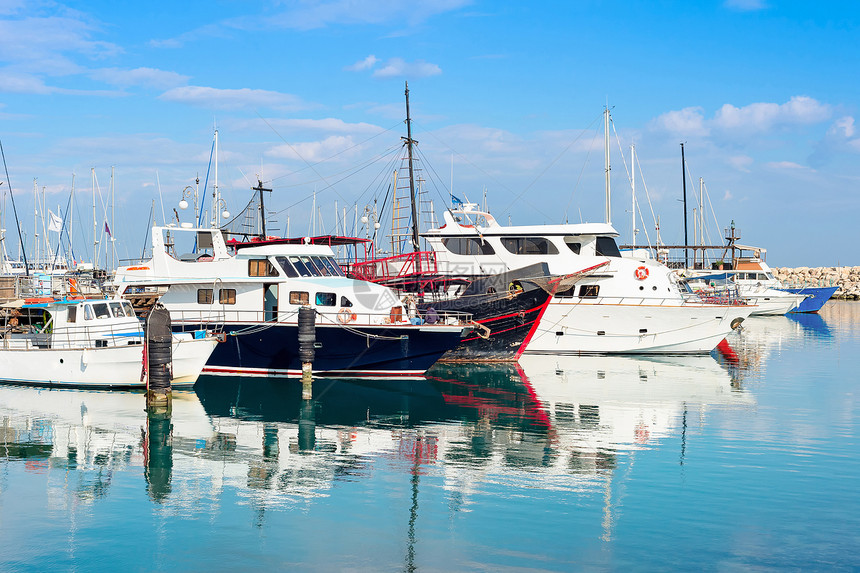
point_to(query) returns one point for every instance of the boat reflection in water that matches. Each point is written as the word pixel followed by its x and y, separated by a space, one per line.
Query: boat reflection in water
pixel 552 423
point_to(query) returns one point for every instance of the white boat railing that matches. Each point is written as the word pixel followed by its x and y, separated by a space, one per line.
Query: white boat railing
pixel 398 317
pixel 71 337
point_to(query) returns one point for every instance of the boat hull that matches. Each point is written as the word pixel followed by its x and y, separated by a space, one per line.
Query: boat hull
pixel 506 322
pixel 105 368
pixel 272 349
pixel 773 303
pixel 574 326
pixel 816 298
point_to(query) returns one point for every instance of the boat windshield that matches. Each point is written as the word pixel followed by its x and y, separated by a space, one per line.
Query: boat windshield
pixel 310 266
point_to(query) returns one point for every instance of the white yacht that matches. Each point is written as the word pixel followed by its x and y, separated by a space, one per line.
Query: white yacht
pixel 254 295
pixel 607 303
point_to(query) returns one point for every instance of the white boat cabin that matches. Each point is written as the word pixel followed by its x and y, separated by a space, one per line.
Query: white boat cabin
pixel 70 324
pixel 472 243
pixel 256 283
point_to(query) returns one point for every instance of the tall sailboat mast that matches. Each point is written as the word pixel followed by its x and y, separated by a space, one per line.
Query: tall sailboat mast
pixel 409 141
pixel 606 162
pixel 633 191
pixel 684 186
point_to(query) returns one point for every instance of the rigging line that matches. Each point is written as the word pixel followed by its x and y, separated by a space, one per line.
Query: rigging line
pixel 650 206
pixel 15 210
pixel 581 173
pixel 541 174
pixel 378 181
pixel 466 159
pixel 373 159
pixel 433 170
pixel 713 213
pixel 300 156
pixel 333 156
pixel 323 189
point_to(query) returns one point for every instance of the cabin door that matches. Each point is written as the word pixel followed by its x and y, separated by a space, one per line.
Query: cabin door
pixel 270 302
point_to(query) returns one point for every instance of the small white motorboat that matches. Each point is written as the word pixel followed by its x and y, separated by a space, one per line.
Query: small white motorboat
pixel 87 343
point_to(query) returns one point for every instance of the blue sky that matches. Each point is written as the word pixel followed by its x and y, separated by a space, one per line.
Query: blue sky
pixel 506 95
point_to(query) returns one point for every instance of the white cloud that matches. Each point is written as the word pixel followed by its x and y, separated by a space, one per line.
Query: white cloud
pixel 232 98
pixel 728 195
pixel 12 82
pixel 313 151
pixel 785 165
pixel 147 77
pixel 759 117
pixel 688 122
pixel 364 64
pixel 398 67
pixel 740 162
pixel 754 118
pixel 842 127
pixel 329 124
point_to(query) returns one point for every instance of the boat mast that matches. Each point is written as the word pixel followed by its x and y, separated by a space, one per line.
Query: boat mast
pixel 409 141
pixel 702 217
pixel 684 185
pixel 216 204
pixel 633 190
pixel 606 162
pixel 95 238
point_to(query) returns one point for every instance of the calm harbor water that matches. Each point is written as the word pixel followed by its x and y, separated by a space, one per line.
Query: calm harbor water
pixel 600 463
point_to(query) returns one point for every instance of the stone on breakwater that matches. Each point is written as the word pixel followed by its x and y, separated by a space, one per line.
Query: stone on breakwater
pixel 846 278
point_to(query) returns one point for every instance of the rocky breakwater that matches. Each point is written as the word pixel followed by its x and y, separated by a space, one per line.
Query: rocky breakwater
pixel 847 278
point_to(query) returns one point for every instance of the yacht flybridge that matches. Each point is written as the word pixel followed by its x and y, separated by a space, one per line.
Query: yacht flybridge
pixel 254 294
pixel 606 303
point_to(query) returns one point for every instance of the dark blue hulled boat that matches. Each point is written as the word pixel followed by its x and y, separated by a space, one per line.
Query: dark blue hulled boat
pixel 816 297
pixel 254 296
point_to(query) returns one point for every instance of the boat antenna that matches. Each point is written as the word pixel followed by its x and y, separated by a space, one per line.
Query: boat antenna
pixel 684 186
pixel 409 141
pixel 15 210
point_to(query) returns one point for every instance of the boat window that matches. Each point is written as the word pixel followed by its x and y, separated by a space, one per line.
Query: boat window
pixel 345 302
pixel 261 268
pixel 529 246
pixel 129 310
pixel 606 247
pixel 299 297
pixel 566 293
pixel 205 296
pixel 326 298
pixel 337 270
pixel 468 246
pixel 589 291
pixel 321 267
pixel 289 269
pixel 88 312
pixel 72 315
pixel 311 266
pixel 101 309
pixel 116 308
pixel 333 267
pixel 227 296
pixel 300 267
pixel 575 247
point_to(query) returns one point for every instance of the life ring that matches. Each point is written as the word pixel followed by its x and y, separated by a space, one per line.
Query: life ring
pixel 641 273
pixel 345 316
